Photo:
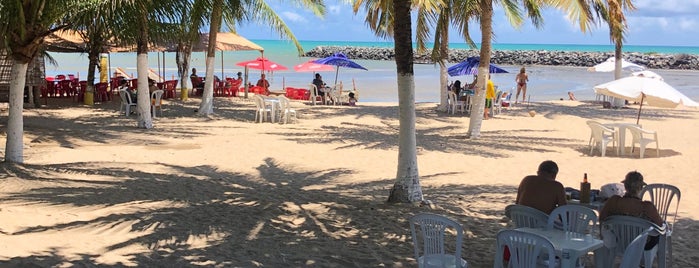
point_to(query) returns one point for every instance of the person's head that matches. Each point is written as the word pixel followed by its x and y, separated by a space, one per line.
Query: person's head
pixel 633 182
pixel 457 84
pixel 240 74
pixel 317 76
pixel 262 76
pixel 151 81
pixel 122 82
pixel 548 169
pixel 194 70
pixel 522 70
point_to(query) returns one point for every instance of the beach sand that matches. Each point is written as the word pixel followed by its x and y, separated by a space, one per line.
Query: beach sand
pixel 224 191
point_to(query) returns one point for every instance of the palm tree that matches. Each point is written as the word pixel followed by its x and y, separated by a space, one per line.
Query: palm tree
pixel 237 11
pixel 406 187
pixel 613 14
pixel 23 26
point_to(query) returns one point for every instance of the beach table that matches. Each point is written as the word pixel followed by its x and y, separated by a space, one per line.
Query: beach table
pixel 273 102
pixel 620 131
pixel 570 246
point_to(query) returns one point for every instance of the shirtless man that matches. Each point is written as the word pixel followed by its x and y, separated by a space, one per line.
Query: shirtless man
pixel 522 78
pixel 542 191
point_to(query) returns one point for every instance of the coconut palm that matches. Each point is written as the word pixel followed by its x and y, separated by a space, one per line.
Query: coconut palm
pixel 613 14
pixel 238 11
pixel 23 26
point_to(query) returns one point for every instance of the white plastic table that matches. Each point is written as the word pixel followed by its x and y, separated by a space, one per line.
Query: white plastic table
pixel 569 246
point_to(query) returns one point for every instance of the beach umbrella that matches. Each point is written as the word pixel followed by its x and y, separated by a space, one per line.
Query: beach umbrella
pixel 609 66
pixel 648 74
pixel 339 60
pixel 311 66
pixel 262 63
pixel 642 89
pixel 470 67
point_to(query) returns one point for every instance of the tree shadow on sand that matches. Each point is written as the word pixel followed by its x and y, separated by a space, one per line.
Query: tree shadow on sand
pixel 284 217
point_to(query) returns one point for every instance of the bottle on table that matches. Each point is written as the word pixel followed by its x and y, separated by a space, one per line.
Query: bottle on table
pixel 585 190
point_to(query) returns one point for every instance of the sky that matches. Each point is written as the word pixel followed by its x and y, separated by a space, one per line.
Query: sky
pixel 653 23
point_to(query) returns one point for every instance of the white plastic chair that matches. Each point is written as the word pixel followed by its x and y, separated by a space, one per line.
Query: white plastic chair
pixel 261 110
pixel 313 97
pixel 497 104
pixel 156 102
pixel 126 102
pixel 524 216
pixel 430 241
pixel 526 250
pixel 623 230
pixel 634 251
pixel 573 218
pixel 453 103
pixel 601 136
pixel 663 196
pixel 285 110
pixel 641 137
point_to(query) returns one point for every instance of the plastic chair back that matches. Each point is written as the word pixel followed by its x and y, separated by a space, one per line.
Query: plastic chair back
pixel 623 230
pixel 634 252
pixel 524 216
pixel 525 249
pixel 573 218
pixel 430 233
pixel 662 196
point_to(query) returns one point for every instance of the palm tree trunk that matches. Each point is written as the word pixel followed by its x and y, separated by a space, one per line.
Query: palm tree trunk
pixel 476 120
pixel 206 107
pixel 144 118
pixel 184 52
pixel 14 145
pixel 406 187
pixel 444 53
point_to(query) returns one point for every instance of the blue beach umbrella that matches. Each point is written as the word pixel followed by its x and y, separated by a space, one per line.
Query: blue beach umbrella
pixel 339 60
pixel 470 66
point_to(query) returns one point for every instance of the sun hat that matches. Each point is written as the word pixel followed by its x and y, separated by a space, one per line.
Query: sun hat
pixel 633 179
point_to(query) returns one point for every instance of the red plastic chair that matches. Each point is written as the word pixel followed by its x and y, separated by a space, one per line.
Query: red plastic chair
pixel 170 88
pixel 79 96
pixel 133 83
pixel 60 77
pixel 102 93
pixel 66 88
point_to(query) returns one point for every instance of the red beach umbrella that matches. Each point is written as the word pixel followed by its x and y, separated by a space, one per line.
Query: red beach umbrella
pixel 311 66
pixel 263 64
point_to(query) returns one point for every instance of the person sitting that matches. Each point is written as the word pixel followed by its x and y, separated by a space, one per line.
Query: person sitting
pixel 571 96
pixel 542 191
pixel 352 100
pixel 320 86
pixel 124 85
pixel 151 86
pixel 456 87
pixel 263 83
pixel 631 205
pixel 197 82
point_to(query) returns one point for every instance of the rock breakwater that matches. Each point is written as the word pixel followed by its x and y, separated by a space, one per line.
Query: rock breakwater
pixel 523 57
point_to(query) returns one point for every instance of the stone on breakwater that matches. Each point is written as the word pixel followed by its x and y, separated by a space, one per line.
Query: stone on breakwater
pixel 522 57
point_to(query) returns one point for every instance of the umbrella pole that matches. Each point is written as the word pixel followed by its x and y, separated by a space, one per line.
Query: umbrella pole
pixel 336 72
pixel 222 77
pixel 246 81
pixel 639 108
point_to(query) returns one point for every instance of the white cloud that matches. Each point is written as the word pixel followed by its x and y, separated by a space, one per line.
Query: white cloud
pixel 293 17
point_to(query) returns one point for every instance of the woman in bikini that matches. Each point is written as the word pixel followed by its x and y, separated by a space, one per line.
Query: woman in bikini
pixel 522 78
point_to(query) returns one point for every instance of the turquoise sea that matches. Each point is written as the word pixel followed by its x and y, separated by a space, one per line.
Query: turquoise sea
pixel 378 84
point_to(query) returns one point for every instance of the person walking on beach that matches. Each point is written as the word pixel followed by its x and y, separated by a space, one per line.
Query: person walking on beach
pixel 521 79
pixel 489 96
pixel 542 191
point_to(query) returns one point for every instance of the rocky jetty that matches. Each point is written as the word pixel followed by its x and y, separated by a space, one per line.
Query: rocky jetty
pixel 523 57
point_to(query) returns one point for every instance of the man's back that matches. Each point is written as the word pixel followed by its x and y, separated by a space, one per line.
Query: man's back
pixel 540 193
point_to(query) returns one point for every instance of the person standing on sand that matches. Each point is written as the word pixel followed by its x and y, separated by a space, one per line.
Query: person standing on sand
pixel 521 79
pixel 542 191
pixel 489 96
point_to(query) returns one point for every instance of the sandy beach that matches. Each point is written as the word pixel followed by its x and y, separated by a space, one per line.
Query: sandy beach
pixel 225 191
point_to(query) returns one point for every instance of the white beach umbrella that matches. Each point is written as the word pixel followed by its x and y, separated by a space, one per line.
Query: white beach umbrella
pixel 649 74
pixel 639 89
pixel 608 66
